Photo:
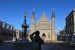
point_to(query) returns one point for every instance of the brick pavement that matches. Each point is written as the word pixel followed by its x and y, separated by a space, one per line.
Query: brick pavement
pixel 46 46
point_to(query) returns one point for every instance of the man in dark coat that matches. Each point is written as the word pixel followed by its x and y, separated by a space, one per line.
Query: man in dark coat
pixel 37 38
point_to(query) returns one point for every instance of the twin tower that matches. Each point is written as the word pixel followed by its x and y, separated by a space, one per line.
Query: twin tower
pixel 44 26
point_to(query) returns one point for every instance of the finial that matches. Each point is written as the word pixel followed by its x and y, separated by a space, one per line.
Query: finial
pixel 25 14
pixel 33 8
pixel 53 7
pixel 43 12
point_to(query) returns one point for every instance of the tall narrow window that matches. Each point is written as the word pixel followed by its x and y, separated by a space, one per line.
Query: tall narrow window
pixel 48 35
pixel 43 27
pixel 3 24
pixel 71 20
pixel 6 33
pixel 7 26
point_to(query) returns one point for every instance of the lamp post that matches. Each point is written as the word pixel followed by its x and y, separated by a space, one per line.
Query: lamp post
pixel 24 27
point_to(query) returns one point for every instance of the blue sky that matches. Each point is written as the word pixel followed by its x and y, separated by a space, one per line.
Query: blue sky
pixel 12 11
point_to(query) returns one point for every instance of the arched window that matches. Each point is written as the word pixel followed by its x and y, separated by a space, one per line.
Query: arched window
pixel 43 27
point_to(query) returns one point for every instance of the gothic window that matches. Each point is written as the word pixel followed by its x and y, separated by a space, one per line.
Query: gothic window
pixel 43 27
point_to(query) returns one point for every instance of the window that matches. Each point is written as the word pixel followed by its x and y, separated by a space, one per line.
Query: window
pixel 7 26
pixel 43 27
pixel 71 28
pixel 71 20
pixel 6 33
pixel 48 35
pixel 3 33
pixel 3 25
pixel 11 27
pixel 11 34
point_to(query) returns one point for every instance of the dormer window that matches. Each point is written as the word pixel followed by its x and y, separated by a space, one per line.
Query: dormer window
pixel 7 26
pixel 11 27
pixel 3 24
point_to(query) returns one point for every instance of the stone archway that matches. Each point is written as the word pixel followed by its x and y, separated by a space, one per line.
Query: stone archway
pixel 43 36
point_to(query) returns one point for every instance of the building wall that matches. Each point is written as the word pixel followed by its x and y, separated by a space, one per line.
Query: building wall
pixel 44 26
pixel 6 32
pixel 70 25
pixel 0 30
pixel 18 34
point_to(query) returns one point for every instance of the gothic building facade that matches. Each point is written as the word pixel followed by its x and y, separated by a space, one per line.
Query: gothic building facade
pixel 44 26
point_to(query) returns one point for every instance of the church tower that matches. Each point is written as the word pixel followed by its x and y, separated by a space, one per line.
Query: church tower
pixel 53 26
pixel 33 21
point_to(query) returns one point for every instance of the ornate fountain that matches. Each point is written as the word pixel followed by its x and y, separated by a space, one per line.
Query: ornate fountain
pixel 24 43
pixel 24 28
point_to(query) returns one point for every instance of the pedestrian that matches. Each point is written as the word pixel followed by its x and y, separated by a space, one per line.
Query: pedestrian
pixel 43 36
pixel 35 37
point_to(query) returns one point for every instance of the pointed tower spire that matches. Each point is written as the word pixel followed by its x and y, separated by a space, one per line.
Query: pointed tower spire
pixel 33 13
pixel 53 14
pixel 33 21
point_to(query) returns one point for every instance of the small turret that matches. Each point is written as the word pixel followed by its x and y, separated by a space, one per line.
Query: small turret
pixel 33 13
pixel 33 21
pixel 53 14
pixel 53 25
